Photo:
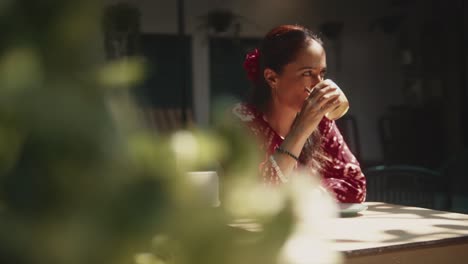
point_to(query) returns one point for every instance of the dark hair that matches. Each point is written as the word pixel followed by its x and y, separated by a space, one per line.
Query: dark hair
pixel 279 47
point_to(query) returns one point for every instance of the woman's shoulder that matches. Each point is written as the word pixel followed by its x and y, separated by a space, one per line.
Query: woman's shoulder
pixel 245 112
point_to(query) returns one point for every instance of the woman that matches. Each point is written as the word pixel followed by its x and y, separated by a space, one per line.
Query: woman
pixel 288 110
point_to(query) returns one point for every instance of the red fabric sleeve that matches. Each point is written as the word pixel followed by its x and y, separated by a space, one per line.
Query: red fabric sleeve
pixel 343 174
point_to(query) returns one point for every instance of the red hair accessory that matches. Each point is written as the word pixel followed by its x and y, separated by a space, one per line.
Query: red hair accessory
pixel 252 65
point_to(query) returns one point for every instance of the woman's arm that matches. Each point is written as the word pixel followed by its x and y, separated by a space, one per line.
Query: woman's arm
pixel 283 164
pixel 275 167
pixel 322 99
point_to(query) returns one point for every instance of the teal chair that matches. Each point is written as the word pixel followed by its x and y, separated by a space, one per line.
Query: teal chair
pixel 455 172
pixel 406 185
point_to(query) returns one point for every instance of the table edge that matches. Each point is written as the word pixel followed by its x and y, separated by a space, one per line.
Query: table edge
pixel 407 246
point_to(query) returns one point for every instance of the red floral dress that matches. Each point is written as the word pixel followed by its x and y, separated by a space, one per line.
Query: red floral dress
pixel 342 175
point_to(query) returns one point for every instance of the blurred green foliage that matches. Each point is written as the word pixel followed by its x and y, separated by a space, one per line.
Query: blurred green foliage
pixel 83 181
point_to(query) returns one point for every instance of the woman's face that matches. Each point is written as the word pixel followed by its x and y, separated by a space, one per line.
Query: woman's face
pixel 308 69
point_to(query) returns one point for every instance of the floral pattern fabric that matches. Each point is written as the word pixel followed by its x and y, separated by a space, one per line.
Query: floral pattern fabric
pixel 342 175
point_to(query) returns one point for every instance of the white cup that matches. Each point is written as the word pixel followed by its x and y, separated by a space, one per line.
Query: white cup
pixel 341 109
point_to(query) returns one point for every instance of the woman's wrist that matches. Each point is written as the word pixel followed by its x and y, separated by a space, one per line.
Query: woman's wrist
pixel 300 133
pixel 287 152
pixel 295 140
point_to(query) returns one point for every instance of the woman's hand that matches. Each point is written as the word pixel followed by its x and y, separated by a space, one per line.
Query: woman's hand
pixel 322 99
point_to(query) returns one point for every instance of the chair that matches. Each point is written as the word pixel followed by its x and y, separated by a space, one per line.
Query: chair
pixel 348 128
pixel 455 172
pixel 404 136
pixel 406 185
pixel 167 119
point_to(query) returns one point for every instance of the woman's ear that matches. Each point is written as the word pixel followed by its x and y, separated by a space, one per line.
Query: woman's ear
pixel 271 77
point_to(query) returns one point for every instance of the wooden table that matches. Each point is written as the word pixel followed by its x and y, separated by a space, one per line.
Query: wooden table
pixel 387 233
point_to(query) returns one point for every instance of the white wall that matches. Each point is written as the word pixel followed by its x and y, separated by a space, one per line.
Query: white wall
pixel 369 63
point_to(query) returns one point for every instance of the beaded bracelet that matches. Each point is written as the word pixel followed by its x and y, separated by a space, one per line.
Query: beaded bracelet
pixel 280 150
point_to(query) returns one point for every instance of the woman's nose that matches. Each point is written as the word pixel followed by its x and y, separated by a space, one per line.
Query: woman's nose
pixel 314 80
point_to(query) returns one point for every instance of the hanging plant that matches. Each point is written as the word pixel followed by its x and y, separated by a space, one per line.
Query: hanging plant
pixel 121 23
pixel 221 21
